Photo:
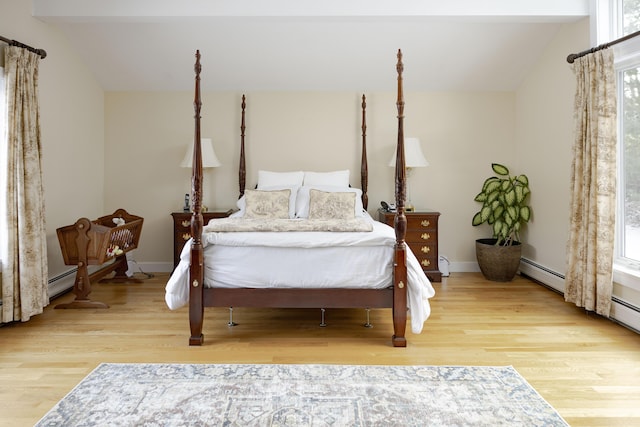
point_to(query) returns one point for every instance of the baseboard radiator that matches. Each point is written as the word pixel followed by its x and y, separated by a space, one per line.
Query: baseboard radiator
pixel 62 283
pixel 622 312
pixel 543 275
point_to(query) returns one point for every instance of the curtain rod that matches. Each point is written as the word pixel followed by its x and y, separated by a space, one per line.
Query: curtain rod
pixel 41 52
pixel 572 57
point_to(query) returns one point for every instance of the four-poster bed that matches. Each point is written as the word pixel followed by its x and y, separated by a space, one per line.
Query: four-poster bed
pixel 384 248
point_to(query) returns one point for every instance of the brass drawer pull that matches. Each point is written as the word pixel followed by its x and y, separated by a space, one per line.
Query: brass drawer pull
pixel 425 223
pixel 425 236
pixel 425 249
pixel 425 263
pixel 186 236
pixel 186 223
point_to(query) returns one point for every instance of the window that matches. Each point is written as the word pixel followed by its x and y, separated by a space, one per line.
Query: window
pixel 627 56
pixel 629 164
pixel 629 17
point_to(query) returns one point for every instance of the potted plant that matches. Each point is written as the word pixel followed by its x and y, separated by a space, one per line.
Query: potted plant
pixel 505 209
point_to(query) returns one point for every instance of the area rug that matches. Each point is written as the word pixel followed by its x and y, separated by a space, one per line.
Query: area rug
pixel 301 395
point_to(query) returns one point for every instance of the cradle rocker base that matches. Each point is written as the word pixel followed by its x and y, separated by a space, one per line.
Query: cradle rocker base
pixel 77 303
pixel 82 285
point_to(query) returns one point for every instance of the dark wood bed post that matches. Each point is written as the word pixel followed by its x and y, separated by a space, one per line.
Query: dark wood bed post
pixel 242 169
pixel 364 170
pixel 196 270
pixel 400 225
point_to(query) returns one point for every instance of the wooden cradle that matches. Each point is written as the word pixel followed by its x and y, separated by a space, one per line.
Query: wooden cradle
pixel 97 242
pixel 394 297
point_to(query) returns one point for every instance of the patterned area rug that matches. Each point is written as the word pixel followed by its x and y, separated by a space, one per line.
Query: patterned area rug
pixel 301 395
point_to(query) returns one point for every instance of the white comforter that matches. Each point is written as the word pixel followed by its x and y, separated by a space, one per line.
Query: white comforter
pixel 369 264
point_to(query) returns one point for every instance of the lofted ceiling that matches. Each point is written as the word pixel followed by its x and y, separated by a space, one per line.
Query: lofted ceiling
pixel 448 45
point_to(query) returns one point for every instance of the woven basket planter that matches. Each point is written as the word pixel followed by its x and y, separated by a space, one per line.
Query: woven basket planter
pixel 498 263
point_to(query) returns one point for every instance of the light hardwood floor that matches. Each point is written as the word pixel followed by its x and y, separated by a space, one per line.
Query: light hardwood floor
pixel 587 367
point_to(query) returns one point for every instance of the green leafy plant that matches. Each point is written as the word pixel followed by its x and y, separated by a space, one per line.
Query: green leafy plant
pixel 504 205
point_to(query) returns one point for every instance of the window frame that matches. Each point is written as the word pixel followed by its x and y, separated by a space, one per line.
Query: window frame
pixel 627 55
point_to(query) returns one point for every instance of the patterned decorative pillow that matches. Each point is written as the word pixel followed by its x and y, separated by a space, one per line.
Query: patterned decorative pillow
pixel 241 203
pixel 303 199
pixel 331 205
pixel 267 204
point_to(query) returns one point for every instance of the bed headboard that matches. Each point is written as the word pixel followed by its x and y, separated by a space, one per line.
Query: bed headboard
pixel 364 173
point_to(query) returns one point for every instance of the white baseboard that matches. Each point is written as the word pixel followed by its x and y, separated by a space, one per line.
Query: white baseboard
pixel 464 267
pixel 542 274
pixel 153 267
pixel 621 312
pixel 61 283
pixel 624 314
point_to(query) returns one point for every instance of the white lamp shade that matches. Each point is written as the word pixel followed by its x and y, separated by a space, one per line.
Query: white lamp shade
pixel 209 158
pixel 413 157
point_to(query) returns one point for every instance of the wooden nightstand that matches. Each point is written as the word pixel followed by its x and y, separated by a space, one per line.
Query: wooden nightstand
pixel 182 229
pixel 422 238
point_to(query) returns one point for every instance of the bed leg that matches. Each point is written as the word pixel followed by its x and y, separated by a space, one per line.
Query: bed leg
pixel 231 322
pixel 322 322
pixel 368 324
pixel 196 317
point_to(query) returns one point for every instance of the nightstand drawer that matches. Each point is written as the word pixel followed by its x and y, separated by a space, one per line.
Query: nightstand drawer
pixel 428 264
pixel 421 236
pixel 422 249
pixel 415 222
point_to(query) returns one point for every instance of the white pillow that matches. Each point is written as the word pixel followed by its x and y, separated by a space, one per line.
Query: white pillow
pixel 331 205
pixel 267 204
pixel 335 178
pixel 268 179
pixel 242 202
pixel 303 198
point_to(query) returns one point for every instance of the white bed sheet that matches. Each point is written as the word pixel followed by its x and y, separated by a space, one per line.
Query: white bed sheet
pixel 322 260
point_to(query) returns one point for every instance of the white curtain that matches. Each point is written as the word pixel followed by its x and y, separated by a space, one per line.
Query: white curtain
pixel 22 224
pixel 590 247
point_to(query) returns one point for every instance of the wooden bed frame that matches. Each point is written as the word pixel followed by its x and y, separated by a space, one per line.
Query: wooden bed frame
pixel 394 297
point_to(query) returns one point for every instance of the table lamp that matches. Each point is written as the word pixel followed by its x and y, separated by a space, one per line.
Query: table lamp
pixel 209 160
pixel 413 158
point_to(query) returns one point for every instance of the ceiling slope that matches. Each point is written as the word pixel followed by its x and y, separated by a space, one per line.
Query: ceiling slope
pixel 149 45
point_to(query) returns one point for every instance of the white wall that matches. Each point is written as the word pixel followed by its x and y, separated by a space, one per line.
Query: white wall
pixel 544 136
pixel 147 134
pixel 544 139
pixel 72 124
pixel 130 144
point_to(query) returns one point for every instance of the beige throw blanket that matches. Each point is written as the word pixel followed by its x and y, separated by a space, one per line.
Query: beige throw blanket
pixel 251 224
